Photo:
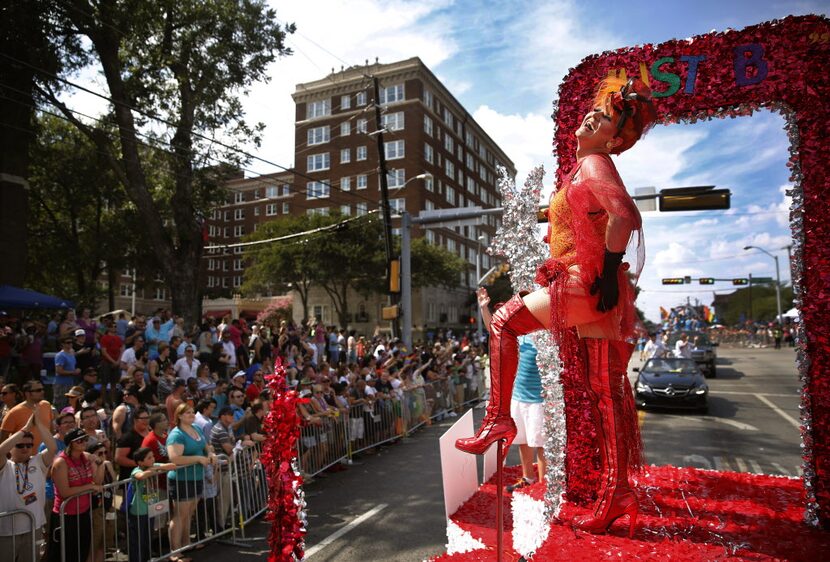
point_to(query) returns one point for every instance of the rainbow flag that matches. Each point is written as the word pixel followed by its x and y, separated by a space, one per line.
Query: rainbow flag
pixel 708 314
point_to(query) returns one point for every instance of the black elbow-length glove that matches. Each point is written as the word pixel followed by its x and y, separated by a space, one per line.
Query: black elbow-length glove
pixel 606 283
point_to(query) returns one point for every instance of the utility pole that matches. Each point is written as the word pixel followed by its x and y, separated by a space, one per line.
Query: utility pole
pixel 384 204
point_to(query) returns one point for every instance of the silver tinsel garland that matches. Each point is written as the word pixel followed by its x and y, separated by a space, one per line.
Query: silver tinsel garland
pixel 518 241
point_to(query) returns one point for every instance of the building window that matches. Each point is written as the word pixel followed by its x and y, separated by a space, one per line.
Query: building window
pixel 286 190
pixel 394 149
pixel 470 142
pixel 428 184
pixel 224 282
pixel 125 289
pixel 362 126
pixel 396 178
pixel 272 191
pixel 346 184
pixel 270 209
pixel 225 232
pixel 397 205
pixel 238 197
pixel 239 231
pixel 345 102
pixel 361 153
pixel 237 265
pixel 391 94
pixel 345 155
pixel 360 99
pixel 345 128
pixel 321 211
pixel 256 211
pixel 459 153
pixel 318 162
pixel 224 265
pixel 361 182
pixel 448 145
pixel 345 210
pixel 471 185
pixel 317 190
pixel 471 163
pixel 319 135
pixel 361 209
pixel 427 98
pixel 238 214
pixel 451 245
pixel 428 156
pixel 447 117
pixel 429 205
pixel 393 121
pixel 428 125
pixel 210 281
pixel 286 208
pixel 211 264
pixel 318 109
pixel 160 294
pixel 450 195
pixel 227 216
pixel 449 168
pixel 237 280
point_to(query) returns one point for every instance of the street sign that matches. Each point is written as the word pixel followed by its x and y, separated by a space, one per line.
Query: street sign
pixel 759 280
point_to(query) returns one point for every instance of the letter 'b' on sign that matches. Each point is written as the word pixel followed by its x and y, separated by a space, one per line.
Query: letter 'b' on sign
pixel 750 66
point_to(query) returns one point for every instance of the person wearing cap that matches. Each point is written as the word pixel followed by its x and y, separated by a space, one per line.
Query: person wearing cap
pixel 18 416
pixel 188 366
pixel 85 476
pixel 86 354
pixel 238 380
pixel 23 486
pixel 73 399
pixel 176 397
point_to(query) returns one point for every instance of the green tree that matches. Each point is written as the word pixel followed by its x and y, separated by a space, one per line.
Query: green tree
pixel 73 229
pixel 758 303
pixel 187 62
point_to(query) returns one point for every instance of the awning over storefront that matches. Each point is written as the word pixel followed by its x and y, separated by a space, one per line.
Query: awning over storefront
pixel 216 313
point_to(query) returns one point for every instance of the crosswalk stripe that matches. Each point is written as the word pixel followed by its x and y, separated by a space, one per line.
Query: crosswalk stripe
pixel 756 468
pixel 780 468
pixel 721 464
pixel 740 464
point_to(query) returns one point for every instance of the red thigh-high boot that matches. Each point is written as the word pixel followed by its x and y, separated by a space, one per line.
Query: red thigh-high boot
pixel 617 433
pixel 509 322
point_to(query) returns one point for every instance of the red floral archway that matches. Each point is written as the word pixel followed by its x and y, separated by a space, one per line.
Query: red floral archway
pixel 779 65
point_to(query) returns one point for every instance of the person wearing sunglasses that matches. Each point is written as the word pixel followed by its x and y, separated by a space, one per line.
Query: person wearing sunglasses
pixel 585 285
pixel 11 397
pixel 22 486
pixel 18 416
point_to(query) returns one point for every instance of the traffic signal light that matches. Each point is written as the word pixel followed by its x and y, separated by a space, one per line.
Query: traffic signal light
pixel 707 280
pixel 395 276
pixel 673 281
pixel 740 281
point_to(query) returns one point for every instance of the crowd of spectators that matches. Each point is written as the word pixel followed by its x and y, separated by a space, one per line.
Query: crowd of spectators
pixel 134 397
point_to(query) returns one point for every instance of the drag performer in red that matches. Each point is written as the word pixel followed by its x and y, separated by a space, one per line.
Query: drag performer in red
pixel 586 287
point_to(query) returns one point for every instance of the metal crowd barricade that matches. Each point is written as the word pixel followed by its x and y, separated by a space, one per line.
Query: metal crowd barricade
pixel 249 485
pixel 16 542
pixel 324 444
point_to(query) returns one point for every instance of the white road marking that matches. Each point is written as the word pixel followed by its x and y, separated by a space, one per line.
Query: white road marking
pixel 779 411
pixel 734 392
pixel 733 423
pixel 739 462
pixel 780 468
pixel 756 468
pixel 342 531
pixel 722 464
pixel 697 459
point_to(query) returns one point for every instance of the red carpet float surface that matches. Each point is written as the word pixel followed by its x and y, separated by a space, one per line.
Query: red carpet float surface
pixel 686 514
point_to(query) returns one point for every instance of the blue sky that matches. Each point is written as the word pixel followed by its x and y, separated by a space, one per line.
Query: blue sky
pixel 504 61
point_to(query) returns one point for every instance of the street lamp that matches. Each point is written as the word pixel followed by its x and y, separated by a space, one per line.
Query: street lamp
pixel 406 273
pixel 777 279
pixel 479 322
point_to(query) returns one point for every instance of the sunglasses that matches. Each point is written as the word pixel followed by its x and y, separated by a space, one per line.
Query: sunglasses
pixel 36 390
pixel 24 445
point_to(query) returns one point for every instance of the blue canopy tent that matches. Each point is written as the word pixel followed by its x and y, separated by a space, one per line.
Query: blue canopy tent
pixel 17 298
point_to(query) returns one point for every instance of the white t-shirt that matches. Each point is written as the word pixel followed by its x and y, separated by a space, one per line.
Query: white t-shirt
pixel 185 371
pixel 683 349
pixel 128 358
pixel 654 349
pixel 33 492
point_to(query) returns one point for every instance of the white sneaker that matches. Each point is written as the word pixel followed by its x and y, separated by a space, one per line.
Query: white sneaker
pixel 452 415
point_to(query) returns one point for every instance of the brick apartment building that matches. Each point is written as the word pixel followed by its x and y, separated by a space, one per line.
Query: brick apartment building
pixel 425 131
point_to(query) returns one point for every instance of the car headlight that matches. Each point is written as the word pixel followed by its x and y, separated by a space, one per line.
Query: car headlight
pixel 643 388
pixel 702 389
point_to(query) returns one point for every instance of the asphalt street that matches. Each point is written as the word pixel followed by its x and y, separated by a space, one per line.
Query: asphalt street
pixel 390 506
pixel 752 423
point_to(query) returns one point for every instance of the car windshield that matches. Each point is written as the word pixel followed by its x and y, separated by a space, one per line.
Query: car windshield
pixel 669 365
pixel 697 339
